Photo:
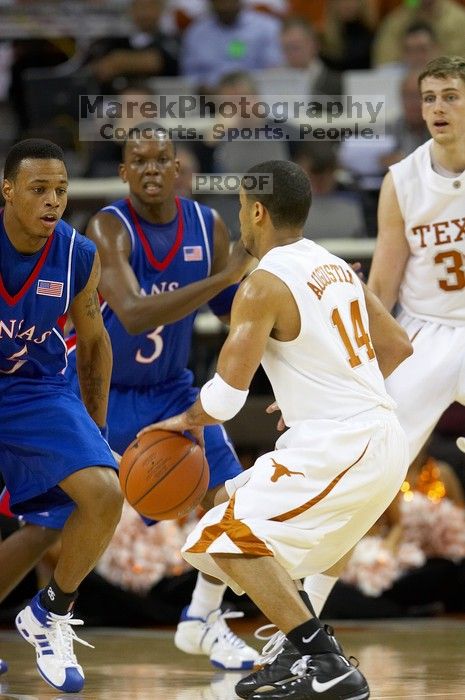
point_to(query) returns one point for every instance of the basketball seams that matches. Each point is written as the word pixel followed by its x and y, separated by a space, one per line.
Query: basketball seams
pixel 158 474
pixel 186 454
pixel 159 514
pixel 168 437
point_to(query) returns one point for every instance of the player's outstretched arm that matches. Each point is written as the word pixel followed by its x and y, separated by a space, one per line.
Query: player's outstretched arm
pixel 390 341
pixel 93 349
pixel 121 290
pixel 254 313
pixel 392 250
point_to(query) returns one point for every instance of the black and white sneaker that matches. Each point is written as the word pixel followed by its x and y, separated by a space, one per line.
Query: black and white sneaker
pixel 323 676
pixel 278 657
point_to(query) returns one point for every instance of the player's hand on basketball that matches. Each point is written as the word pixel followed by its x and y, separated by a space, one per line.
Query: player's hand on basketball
pixel 239 263
pixel 271 409
pixel 178 424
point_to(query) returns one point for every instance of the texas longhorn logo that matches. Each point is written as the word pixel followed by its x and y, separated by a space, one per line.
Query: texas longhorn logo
pixel 281 470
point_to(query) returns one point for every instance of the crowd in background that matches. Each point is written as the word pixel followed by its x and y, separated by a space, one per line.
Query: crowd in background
pixel 233 47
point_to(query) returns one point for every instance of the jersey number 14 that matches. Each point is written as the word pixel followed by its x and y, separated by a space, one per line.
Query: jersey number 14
pixel 360 334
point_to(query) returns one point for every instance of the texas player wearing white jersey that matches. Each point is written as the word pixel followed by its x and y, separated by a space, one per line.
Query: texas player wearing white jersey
pixel 325 345
pixel 419 256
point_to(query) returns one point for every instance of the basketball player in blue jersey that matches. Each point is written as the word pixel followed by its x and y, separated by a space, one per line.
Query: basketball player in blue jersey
pixel 162 258
pixel 57 467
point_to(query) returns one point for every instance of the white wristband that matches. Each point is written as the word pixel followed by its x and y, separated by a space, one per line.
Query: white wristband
pixel 221 400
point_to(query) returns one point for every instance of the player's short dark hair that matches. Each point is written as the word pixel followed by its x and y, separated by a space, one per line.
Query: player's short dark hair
pixel 291 197
pixel 30 148
pixel 145 131
pixel 444 67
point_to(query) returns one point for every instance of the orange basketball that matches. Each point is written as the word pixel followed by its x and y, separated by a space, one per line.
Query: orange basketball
pixel 163 474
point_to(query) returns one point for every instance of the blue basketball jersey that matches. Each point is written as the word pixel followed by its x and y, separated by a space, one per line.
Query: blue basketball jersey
pixel 164 257
pixel 35 291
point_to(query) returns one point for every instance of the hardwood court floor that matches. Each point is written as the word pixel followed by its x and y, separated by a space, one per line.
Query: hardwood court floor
pixel 402 660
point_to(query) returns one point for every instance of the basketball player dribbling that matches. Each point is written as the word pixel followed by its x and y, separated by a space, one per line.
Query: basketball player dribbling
pixel 57 467
pixel 419 264
pixel 304 314
pixel 162 258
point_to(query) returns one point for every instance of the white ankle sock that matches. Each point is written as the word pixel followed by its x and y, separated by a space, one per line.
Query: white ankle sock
pixel 206 597
pixel 318 587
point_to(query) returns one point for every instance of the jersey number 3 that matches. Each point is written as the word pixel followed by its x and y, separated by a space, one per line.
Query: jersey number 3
pixel 455 268
pixel 360 334
pixel 156 337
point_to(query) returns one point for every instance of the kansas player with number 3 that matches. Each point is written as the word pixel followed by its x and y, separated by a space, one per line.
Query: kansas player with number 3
pixel 162 258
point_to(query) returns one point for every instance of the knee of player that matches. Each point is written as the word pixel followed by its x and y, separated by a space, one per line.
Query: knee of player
pixel 104 499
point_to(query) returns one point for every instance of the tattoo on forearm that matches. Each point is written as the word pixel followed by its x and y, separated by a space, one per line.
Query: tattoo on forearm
pixel 94 387
pixel 93 305
pixel 94 361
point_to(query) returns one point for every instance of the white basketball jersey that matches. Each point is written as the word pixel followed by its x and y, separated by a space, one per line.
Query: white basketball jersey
pixel 330 370
pixel 433 208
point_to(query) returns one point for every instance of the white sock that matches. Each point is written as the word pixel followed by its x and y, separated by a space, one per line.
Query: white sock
pixel 318 587
pixel 206 597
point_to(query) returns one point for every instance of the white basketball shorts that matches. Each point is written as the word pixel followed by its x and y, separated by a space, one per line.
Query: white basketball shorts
pixel 427 382
pixel 309 501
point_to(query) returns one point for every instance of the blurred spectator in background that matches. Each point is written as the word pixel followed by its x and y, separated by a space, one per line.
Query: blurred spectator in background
pixel 337 210
pixel 238 156
pixel 145 52
pixel 419 45
pixel 104 156
pixel 33 53
pixel 348 34
pixel 181 13
pixel 240 153
pixel 300 47
pixel 409 131
pixel 447 17
pixel 229 38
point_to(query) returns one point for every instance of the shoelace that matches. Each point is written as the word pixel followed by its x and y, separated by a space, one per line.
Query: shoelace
pixel 226 632
pixel 61 628
pixel 303 665
pixel 274 645
pixel 300 667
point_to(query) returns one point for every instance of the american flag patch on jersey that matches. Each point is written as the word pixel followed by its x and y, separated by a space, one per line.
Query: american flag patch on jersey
pixel 49 288
pixel 193 253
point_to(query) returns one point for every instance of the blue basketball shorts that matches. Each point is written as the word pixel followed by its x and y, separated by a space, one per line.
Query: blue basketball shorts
pixel 131 409
pixel 46 434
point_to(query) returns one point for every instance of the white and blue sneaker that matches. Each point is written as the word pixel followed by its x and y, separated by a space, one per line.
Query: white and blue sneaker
pixel 52 636
pixel 212 637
